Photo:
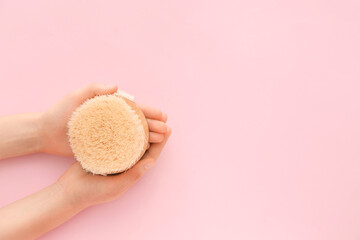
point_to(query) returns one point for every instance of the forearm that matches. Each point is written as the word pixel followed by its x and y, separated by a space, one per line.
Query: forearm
pixel 36 214
pixel 19 134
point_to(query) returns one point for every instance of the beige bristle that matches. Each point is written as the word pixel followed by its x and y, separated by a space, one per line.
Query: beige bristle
pixel 107 135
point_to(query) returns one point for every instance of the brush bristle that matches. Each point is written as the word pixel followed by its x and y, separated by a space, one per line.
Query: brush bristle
pixel 107 135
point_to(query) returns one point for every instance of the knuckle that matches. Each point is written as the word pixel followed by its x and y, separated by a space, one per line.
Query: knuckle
pixel 159 114
pixel 94 86
pixel 163 127
pixel 73 95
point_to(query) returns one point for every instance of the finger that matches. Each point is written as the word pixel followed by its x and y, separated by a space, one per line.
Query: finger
pixel 155 148
pixel 126 179
pixel 156 126
pixel 165 117
pixel 152 113
pixel 94 89
pixel 155 137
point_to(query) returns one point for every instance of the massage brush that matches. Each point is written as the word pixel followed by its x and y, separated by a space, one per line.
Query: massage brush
pixel 108 134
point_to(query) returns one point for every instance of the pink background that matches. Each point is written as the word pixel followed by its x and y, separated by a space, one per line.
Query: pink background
pixel 263 98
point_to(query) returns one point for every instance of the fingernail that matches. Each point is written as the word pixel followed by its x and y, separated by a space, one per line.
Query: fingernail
pixel 164 117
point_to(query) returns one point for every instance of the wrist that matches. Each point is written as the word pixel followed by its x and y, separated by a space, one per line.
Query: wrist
pixel 38 123
pixel 41 132
pixel 66 198
pixel 20 134
pixel 73 193
pixel 46 140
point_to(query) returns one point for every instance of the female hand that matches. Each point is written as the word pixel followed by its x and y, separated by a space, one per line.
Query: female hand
pixel 85 189
pixel 53 126
pixel 75 189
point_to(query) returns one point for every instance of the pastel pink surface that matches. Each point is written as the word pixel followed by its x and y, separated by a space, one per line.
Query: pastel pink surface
pixel 262 96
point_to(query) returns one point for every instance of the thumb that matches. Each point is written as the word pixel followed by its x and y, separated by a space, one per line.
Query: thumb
pixel 94 89
pixel 101 89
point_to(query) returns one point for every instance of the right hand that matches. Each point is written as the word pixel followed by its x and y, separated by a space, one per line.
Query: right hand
pixel 84 189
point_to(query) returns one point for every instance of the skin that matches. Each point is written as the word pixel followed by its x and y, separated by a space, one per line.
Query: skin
pixel 75 190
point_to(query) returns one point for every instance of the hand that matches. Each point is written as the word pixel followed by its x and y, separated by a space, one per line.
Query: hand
pixel 75 189
pixel 85 189
pixel 54 121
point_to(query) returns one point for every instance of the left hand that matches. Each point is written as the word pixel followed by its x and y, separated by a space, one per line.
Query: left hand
pixel 54 121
